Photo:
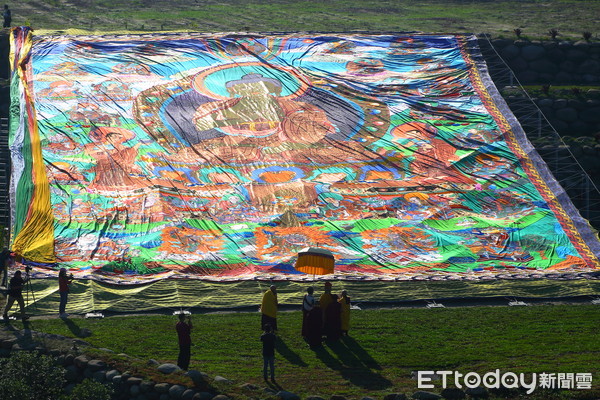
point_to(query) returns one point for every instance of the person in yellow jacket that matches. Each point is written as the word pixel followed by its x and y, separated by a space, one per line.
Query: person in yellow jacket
pixel 268 308
pixel 345 302
pixel 325 300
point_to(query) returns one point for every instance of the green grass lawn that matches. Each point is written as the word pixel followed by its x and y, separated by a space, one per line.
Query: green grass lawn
pixel 384 346
pixel 534 17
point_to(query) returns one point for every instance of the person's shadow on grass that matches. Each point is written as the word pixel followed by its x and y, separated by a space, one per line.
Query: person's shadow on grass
pixel 282 348
pixel 353 362
pixel 24 337
pixel 326 358
pixel 73 327
pixel 357 350
pixel 27 329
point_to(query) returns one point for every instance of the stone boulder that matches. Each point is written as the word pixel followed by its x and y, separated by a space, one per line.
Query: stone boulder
pixel 69 359
pixel 176 391
pixel 510 52
pixel 423 395
pixel 576 55
pixel 285 395
pixel 147 386
pixel 111 374
pixel 81 361
pixel 453 394
pixel 395 396
pixel 162 388
pixel 168 368
pixel 188 394
pixel 528 76
pixel 590 115
pixel 532 52
pixel 518 65
pixel 589 67
pixel 248 387
pixel 567 114
pixel 99 376
pixel 134 380
pixel 543 67
pixel 221 379
pixel 71 374
pixel 477 393
pixel 200 379
pixel 134 390
pixel 96 365
pixel 202 396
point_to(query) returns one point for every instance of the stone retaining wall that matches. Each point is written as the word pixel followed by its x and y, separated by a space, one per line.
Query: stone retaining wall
pixel 125 385
pixel 577 121
pixel 4 73
pixel 572 117
pixel 554 62
pixel 559 63
pixel 69 355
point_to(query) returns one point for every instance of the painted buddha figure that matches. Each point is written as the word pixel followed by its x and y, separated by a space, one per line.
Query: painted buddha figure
pixel 249 116
pixel 257 118
pixel 252 112
pixel 256 111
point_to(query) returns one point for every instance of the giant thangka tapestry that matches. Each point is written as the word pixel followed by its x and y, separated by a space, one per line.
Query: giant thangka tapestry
pixel 221 156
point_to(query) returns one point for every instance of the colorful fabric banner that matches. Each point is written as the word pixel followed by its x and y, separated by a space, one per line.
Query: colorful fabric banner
pixel 220 157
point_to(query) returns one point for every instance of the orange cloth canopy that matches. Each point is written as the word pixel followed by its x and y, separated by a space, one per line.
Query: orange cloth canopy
pixel 315 261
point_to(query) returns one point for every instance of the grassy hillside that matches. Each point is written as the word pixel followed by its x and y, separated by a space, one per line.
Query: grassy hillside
pixel 534 17
pixel 383 348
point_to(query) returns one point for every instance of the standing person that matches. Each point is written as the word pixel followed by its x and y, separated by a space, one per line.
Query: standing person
pixel 307 304
pixel 15 292
pixel 268 308
pixel 6 260
pixel 184 330
pixel 268 339
pixel 7 16
pixel 314 325
pixel 325 300
pixel 345 302
pixel 63 289
pixel 332 326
